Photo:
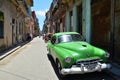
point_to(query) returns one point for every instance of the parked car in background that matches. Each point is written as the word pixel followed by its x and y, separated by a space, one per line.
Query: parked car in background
pixel 47 37
pixel 73 55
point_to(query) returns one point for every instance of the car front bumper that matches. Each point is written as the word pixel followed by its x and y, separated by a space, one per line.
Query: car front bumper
pixel 81 70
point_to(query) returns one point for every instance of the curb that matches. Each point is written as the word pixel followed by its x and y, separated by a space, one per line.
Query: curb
pixel 116 77
pixel 9 52
pixel 114 71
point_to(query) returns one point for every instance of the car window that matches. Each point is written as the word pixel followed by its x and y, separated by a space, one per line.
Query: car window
pixel 64 38
pixel 70 38
pixel 77 37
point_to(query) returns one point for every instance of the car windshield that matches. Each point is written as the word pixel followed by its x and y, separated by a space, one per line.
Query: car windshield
pixel 70 38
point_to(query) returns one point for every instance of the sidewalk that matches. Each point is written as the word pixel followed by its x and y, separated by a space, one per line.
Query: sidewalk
pixel 7 52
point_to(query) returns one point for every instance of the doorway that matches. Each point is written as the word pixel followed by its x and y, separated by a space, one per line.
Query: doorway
pixel 79 19
pixel 100 23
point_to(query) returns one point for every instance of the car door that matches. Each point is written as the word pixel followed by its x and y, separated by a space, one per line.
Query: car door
pixel 52 47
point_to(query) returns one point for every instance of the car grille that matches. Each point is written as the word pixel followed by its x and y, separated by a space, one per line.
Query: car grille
pixel 88 62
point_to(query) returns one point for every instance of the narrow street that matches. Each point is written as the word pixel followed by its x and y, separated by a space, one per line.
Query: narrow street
pixel 31 62
pixel 28 63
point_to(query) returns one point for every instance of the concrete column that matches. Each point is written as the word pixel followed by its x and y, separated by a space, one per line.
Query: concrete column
pixel 67 21
pixel 86 21
pixel 75 19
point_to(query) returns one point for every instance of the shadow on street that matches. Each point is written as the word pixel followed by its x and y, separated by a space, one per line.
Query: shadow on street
pixel 88 76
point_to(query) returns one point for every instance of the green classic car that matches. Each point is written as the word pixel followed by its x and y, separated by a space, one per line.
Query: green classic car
pixel 73 55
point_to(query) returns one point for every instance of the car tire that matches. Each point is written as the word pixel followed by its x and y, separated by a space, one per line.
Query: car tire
pixel 49 55
pixel 59 67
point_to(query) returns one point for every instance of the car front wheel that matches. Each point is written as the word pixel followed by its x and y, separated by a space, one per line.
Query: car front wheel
pixel 59 69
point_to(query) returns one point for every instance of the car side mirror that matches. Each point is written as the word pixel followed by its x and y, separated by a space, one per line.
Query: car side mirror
pixel 52 42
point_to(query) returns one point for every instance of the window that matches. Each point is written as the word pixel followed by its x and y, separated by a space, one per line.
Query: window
pixel 70 38
pixel 1 25
pixel 64 38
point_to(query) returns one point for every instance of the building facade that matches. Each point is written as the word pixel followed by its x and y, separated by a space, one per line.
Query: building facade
pixel 36 29
pixel 12 22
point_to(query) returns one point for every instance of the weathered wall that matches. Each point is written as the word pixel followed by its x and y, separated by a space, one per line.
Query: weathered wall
pixel 117 31
pixel 101 23
pixel 8 9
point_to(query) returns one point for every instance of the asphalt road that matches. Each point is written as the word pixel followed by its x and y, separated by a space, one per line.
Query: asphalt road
pixel 31 62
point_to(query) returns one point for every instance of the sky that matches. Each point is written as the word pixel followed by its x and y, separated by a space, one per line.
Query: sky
pixel 41 7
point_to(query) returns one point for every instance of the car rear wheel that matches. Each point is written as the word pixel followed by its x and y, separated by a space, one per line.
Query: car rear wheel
pixel 49 54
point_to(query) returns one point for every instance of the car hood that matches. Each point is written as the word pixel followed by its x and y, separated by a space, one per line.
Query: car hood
pixel 79 50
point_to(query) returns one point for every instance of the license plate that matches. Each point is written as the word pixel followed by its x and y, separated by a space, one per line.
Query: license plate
pixel 90 66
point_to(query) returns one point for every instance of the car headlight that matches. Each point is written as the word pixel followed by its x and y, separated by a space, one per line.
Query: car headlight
pixel 68 59
pixel 107 55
